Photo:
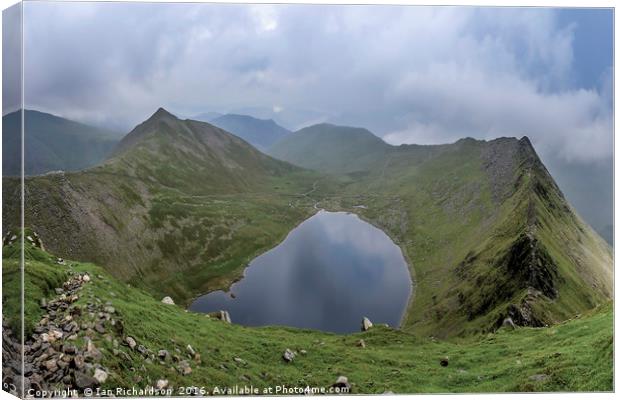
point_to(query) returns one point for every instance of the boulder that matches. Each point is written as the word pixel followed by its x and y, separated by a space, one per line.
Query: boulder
pixel 161 384
pixel 342 383
pixel 163 354
pixel 361 343
pixel 191 350
pixel 85 278
pixel 131 342
pixel 288 355
pixel 225 316
pixel 167 300
pixel 184 368
pixel 366 324
pixel 100 375
pixel 83 381
pixel 509 324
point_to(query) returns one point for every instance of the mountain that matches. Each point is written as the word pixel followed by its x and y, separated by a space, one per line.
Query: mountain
pixel 331 148
pixel 207 116
pixel 179 208
pixel 182 206
pixel 52 143
pixel 488 233
pixel 261 133
pixel 192 156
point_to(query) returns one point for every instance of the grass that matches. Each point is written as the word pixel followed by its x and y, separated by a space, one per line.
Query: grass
pixel 575 355
pixel 184 210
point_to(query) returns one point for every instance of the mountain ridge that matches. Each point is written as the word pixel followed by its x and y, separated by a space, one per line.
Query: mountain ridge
pixel 204 202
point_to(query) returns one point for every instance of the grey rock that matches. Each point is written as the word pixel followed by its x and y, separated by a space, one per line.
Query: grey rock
pixel 163 354
pixel 83 381
pixel 288 355
pixel 342 383
pixel 131 342
pixel 539 377
pixel 509 323
pixel 366 324
pixel 100 375
pixel 167 300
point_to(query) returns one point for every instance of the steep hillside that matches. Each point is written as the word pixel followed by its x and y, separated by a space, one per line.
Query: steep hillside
pixel 331 148
pixel 134 340
pixel 52 143
pixel 260 133
pixel 487 232
pixel 192 156
pixel 180 208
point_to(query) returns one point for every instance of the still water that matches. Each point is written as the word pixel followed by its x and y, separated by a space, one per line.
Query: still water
pixel 329 272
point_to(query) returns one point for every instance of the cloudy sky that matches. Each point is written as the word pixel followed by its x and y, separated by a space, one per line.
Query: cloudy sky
pixel 409 74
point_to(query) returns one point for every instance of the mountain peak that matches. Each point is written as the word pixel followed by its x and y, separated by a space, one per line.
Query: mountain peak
pixel 162 113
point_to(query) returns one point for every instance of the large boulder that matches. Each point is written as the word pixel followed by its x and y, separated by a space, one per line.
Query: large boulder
pixel 167 300
pixel 221 315
pixel 288 355
pixel 366 324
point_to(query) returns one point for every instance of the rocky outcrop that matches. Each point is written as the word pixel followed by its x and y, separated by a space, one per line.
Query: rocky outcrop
pixel 52 357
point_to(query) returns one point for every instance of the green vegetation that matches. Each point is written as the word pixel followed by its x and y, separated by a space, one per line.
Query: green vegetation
pixel 575 355
pixel 183 206
pixel 52 143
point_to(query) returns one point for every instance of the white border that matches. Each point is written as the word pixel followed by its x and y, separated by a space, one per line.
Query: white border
pixel 488 3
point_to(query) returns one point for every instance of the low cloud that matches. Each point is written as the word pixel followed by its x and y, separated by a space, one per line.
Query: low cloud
pixel 410 74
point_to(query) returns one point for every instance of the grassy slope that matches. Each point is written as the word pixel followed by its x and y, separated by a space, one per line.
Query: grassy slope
pixel 52 143
pixel 459 212
pixel 576 355
pixel 456 210
pixel 180 209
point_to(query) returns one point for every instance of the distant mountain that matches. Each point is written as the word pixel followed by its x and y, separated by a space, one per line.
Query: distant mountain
pixel 260 133
pixel 207 116
pixel 52 143
pixel 331 148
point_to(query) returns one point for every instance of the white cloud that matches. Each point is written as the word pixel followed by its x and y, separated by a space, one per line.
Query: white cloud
pixel 413 74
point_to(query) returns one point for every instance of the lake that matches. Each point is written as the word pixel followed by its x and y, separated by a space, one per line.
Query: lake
pixel 330 272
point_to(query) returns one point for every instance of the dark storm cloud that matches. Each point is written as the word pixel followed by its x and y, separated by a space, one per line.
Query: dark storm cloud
pixel 412 74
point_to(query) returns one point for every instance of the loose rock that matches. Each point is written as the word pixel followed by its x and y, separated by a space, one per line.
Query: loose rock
pixel 342 383
pixel 167 300
pixel 100 375
pixel 161 384
pixel 288 355
pixel 366 324
pixel 131 342
pixel 509 323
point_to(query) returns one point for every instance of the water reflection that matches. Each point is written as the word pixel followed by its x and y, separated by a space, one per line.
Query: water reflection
pixel 329 272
